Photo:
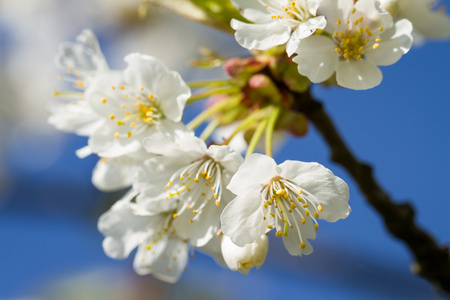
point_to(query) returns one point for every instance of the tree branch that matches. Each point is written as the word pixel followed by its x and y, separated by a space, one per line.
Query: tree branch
pixel 431 261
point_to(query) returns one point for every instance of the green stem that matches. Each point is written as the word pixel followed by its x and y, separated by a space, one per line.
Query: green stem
pixel 256 137
pixel 210 92
pixel 209 129
pixel 228 102
pixel 270 128
pixel 211 82
pixel 247 122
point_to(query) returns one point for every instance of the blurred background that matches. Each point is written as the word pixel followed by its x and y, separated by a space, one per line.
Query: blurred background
pixel 49 244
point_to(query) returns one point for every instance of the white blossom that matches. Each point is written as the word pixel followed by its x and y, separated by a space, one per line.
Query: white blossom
pixel 244 258
pixel 160 251
pixel 189 178
pixel 362 37
pixel 277 22
pixel 80 61
pixel 427 21
pixel 289 198
pixel 143 99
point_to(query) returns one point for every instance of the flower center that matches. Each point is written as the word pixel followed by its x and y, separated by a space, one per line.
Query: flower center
pixel 198 184
pixel 288 205
pixel 140 109
pixel 290 10
pixel 353 41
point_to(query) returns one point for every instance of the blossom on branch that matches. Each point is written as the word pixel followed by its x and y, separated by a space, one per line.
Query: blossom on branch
pixel 289 198
pixel 277 22
pixel 362 37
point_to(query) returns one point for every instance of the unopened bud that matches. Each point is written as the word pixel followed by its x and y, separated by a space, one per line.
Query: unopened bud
pixel 242 259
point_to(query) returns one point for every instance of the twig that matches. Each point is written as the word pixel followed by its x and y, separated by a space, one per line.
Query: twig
pixel 431 261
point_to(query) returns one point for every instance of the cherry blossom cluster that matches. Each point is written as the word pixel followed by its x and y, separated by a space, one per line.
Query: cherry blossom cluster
pixel 187 192
pixel 342 39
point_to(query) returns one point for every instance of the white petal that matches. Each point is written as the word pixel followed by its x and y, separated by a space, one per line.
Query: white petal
pixel 292 241
pixel 114 173
pixel 396 41
pixel 316 58
pixel 151 180
pixel 213 248
pixel 104 143
pixel 252 10
pixel 168 265
pixel 329 190
pixel 180 143
pixel 242 219
pixel 260 36
pixel 358 75
pixel 149 72
pixel 202 229
pixel 226 156
pixel 123 230
pixel 253 174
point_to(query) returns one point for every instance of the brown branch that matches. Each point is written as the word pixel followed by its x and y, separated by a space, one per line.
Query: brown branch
pixel 431 261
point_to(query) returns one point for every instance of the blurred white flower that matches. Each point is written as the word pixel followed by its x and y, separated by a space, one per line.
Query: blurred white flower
pixel 244 258
pixel 362 38
pixel 160 251
pixel 289 198
pixel 277 22
pixel 429 22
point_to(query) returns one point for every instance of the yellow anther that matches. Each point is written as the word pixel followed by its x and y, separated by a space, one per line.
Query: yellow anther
pixel 188 207
pixel 293 205
pixel 150 96
pixel 292 226
pixel 167 187
pixel 126 96
pixel 215 196
pixel 113 87
pixel 121 87
pixel 279 233
pixel 203 194
pixel 307 213
pixel 194 211
pixel 303 221
pixel 290 210
pixel 133 124
pixel 264 218
pixel 104 100
pixel 305 205
pixel 300 199
pixel 377 40
pixel 129 134
pixel 302 245
pixel 272 214
pixel 269 202
pixel 148 247
pixel 354 10
pixel 196 179
pixel 316 227
pixel 316 214
pixel 208 177
pixel 213 189
pixel 174 216
pixel 127 113
pixel 265 205
pixel 116 135
pixel 217 203
pixel 141 88
pixel 122 106
pixel 381 28
pixel 375 46
pixel 270 226
pixel 338 21
pixel 319 207
pixel 182 178
pixel 112 117
pixel 190 221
